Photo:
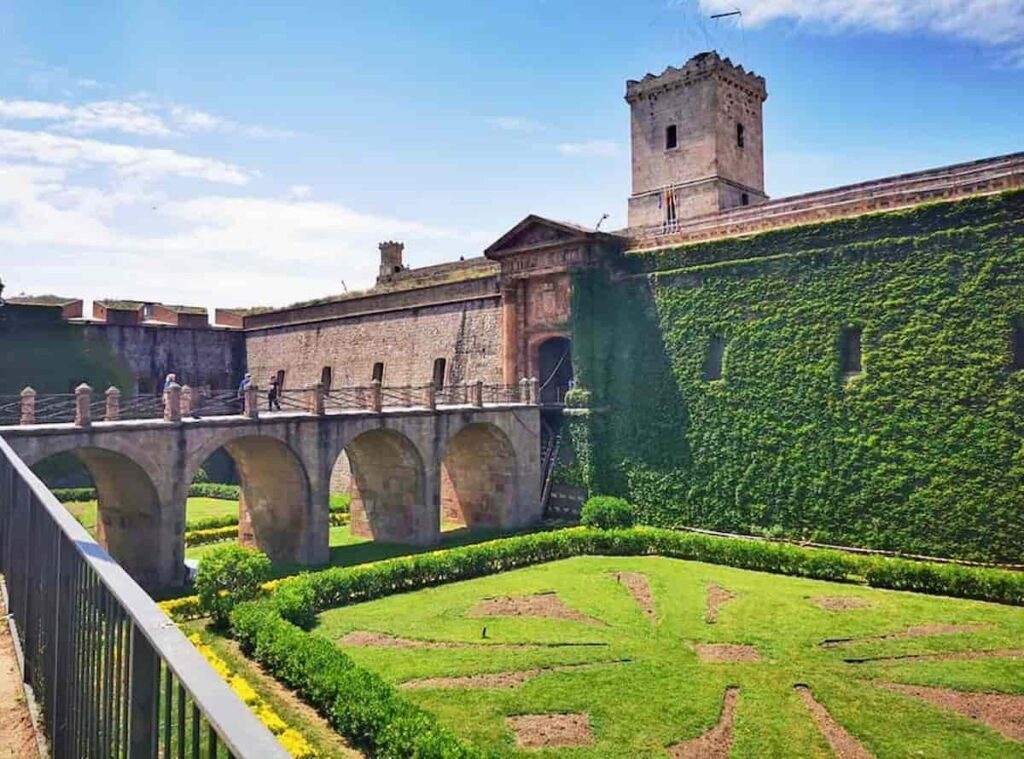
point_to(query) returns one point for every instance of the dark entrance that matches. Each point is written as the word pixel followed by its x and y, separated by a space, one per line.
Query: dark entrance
pixel 554 361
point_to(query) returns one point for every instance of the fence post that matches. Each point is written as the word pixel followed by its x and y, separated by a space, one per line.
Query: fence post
pixel 142 696
pixel 524 390
pixel 534 391
pixel 376 401
pixel 113 410
pixel 83 399
pixel 318 399
pixel 28 406
pixel 430 396
pixel 172 403
pixel 477 393
pixel 252 406
pixel 186 400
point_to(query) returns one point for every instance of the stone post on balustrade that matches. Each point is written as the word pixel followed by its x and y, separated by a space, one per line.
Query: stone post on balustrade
pixel 376 399
pixel 430 397
pixel 534 391
pixel 186 400
pixel 172 403
pixel 83 403
pixel 113 410
pixel 477 394
pixel 252 402
pixel 316 401
pixel 28 406
pixel 524 390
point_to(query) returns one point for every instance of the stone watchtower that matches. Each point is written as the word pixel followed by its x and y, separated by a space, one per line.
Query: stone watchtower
pixel 390 260
pixel 697 141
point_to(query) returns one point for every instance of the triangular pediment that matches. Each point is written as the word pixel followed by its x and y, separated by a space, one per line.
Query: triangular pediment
pixel 535 232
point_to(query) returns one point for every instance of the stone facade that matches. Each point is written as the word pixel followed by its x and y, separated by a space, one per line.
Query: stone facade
pixel 697 141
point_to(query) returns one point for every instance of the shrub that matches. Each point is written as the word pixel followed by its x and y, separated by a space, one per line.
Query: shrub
pixel 607 513
pixel 357 703
pixel 229 575
pixel 339 503
pixel 211 535
pixel 209 523
pixel 214 490
pixel 74 495
pixel 201 476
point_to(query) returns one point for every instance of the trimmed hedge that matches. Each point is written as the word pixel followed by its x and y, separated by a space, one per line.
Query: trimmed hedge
pixel 357 703
pixel 227 576
pixel 607 512
pixel 214 490
pixel 211 535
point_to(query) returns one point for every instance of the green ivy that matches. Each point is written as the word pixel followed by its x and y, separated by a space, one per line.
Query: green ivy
pixel 921 453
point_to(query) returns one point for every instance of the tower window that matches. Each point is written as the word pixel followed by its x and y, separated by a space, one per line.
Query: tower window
pixel 439 366
pixel 713 359
pixel 1018 344
pixel 744 199
pixel 378 372
pixel 739 135
pixel 325 379
pixel 849 352
pixel 671 138
pixel 280 379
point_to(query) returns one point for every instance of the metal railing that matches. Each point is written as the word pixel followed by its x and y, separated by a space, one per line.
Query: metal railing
pixel 112 675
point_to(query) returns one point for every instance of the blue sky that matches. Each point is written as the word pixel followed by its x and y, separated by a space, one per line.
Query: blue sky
pixel 254 153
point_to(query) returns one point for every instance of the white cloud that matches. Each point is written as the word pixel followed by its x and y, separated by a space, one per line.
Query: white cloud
pixel 590 148
pixel 300 191
pixel 32 110
pixel 126 160
pixel 516 124
pixel 989 22
pixel 191 120
pixel 113 116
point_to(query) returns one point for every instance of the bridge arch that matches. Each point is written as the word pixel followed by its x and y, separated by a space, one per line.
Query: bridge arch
pixel 275 505
pixel 478 477
pixel 387 483
pixel 130 523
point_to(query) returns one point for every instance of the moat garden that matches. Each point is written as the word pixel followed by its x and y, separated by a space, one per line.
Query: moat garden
pixel 633 642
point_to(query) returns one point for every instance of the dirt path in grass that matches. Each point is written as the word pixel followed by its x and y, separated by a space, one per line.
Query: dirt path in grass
pixel 499 680
pixel 998 653
pixel 717 598
pixel 368 639
pixel 17 737
pixel 918 631
pixel 1000 711
pixel 844 745
pixel 726 653
pixel 716 742
pixel 639 587
pixel 544 605
pixel 551 730
pixel 840 603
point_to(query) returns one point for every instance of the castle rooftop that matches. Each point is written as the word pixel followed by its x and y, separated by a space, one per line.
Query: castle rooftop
pixel 701 66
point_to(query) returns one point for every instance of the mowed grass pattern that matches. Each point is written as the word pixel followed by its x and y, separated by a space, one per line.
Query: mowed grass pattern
pixel 647 688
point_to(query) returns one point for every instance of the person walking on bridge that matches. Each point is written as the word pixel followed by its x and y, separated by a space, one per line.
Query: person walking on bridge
pixel 274 395
pixel 242 387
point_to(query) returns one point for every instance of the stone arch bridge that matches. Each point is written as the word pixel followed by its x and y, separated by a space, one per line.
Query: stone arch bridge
pixel 407 464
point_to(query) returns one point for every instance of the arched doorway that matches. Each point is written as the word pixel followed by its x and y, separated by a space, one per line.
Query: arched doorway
pixel 554 370
pixel 384 474
pixel 478 474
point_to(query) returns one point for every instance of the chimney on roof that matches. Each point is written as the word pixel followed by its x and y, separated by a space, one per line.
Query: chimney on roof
pixel 390 260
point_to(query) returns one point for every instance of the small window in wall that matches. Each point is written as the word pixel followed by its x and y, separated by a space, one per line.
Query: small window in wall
pixel 740 137
pixel 440 365
pixel 713 359
pixel 280 379
pixel 744 199
pixel 849 352
pixel 325 378
pixel 378 372
pixel 1018 344
pixel 671 137
pixel 670 207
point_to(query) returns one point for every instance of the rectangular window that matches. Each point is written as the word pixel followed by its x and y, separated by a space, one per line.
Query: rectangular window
pixel 325 378
pixel 439 368
pixel 670 207
pixel 378 372
pixel 849 352
pixel 744 199
pixel 671 138
pixel 1018 344
pixel 280 379
pixel 713 359
pixel 740 140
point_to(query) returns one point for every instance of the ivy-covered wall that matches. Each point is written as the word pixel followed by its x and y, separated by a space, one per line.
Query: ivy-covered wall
pixel 923 451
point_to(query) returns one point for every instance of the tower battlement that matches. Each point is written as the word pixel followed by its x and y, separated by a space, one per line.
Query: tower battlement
pixel 701 66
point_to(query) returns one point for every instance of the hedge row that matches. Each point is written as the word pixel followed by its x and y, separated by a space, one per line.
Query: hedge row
pixel 196 490
pixel 357 703
pixel 300 598
pixel 212 535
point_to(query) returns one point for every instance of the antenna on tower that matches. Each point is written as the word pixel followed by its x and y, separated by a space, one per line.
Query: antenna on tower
pixel 599 221
pixel 736 12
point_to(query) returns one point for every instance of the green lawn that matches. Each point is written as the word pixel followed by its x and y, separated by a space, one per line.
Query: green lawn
pixel 646 687
pixel 195 508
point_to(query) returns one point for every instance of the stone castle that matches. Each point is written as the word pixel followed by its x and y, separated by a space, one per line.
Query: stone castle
pixel 697 174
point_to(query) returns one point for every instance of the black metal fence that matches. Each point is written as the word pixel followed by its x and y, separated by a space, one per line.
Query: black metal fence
pixel 113 676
